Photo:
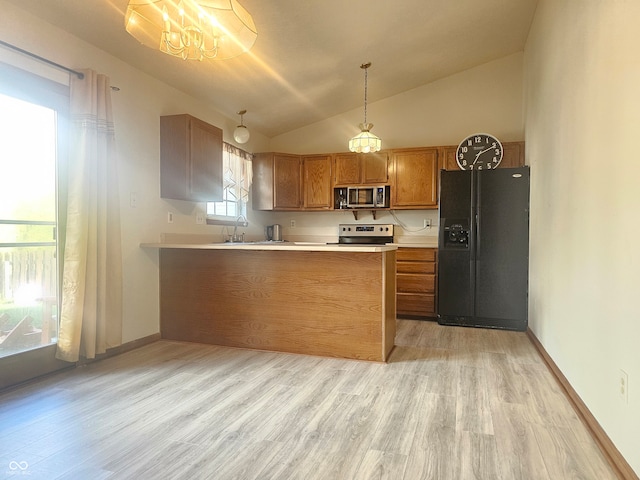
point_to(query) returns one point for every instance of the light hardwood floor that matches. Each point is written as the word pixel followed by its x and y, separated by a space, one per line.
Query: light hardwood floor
pixel 452 403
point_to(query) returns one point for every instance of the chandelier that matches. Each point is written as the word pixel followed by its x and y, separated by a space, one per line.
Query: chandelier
pixel 365 141
pixel 192 29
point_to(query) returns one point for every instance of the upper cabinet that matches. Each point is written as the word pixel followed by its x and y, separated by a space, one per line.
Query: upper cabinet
pixel 415 175
pixel 512 156
pixel 316 175
pixel 284 181
pixel 277 181
pixel 190 159
pixel 361 168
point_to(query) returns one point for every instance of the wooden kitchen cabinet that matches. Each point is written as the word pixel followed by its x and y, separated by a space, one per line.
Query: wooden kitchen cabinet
pixel 284 181
pixel 190 159
pixel 277 181
pixel 416 280
pixel 415 178
pixel 361 168
pixel 316 185
pixel 512 156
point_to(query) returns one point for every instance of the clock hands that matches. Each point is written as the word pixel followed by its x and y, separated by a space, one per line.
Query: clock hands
pixel 481 152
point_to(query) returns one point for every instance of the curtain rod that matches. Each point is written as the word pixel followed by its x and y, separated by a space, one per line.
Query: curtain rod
pixel 80 75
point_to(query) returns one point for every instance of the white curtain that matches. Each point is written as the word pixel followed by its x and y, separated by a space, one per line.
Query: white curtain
pixel 91 314
pixel 237 174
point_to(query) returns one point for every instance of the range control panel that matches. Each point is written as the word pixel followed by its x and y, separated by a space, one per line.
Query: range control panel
pixel 365 230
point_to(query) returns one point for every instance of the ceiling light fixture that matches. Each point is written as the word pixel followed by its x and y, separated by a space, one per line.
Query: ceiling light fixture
pixel 241 133
pixel 365 141
pixel 192 29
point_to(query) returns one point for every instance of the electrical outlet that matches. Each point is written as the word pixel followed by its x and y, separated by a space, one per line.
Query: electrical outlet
pixel 200 218
pixel 169 217
pixel 427 223
pixel 133 199
pixel 293 224
pixel 623 384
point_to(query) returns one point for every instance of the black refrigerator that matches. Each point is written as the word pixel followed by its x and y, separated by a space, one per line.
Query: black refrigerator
pixel 483 248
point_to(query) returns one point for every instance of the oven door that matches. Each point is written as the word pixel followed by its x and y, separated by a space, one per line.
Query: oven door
pixel 363 241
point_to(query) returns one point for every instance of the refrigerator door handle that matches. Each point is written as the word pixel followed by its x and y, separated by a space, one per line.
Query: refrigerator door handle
pixel 478 236
pixel 478 213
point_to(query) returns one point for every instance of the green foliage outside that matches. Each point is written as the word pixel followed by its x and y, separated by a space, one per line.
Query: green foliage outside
pixel 17 313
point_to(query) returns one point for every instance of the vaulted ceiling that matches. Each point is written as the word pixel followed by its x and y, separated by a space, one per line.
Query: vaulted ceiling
pixel 305 64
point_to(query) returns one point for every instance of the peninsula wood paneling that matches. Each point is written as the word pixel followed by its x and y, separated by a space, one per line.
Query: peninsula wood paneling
pixel 289 301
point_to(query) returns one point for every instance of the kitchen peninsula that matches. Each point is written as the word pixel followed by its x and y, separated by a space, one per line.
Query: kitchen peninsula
pixel 317 299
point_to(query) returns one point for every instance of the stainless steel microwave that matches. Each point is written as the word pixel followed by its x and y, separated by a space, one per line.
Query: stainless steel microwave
pixel 368 197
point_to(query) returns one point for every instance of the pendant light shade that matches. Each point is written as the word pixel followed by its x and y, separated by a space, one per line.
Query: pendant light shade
pixel 365 141
pixel 241 133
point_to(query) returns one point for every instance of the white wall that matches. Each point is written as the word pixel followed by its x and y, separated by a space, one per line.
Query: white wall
pixel 487 98
pixel 582 100
pixel 137 109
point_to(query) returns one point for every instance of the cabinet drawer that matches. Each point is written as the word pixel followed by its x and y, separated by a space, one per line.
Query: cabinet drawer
pixel 416 267
pixel 416 254
pixel 415 283
pixel 416 304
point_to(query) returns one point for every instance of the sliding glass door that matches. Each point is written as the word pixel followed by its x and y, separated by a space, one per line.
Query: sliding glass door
pixel 33 114
pixel 28 251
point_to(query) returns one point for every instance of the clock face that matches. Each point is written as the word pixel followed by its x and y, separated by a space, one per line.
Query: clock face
pixel 479 152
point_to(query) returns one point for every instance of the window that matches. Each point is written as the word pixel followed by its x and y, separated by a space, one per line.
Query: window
pixel 33 132
pixel 236 165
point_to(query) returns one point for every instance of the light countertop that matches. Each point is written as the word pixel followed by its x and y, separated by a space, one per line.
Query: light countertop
pixel 416 241
pixel 416 245
pixel 288 246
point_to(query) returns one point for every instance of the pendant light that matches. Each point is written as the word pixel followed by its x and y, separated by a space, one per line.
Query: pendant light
pixel 241 133
pixel 365 141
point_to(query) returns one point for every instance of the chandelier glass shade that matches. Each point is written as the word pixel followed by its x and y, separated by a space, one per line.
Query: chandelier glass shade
pixel 192 29
pixel 365 141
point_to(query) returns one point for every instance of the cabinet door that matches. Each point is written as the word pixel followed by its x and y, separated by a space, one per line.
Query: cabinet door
pixel 416 304
pixel 415 182
pixel 287 183
pixel 512 155
pixel 347 169
pixel 375 167
pixel 190 159
pixel 205 172
pixel 449 158
pixel 416 283
pixel 422 255
pixel 262 185
pixel 317 181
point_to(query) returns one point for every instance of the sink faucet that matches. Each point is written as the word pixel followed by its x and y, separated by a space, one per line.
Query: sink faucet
pixel 235 237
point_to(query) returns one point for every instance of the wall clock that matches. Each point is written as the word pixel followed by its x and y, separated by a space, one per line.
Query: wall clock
pixel 479 151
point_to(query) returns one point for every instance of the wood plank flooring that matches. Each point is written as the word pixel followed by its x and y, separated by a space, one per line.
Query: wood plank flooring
pixel 452 403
